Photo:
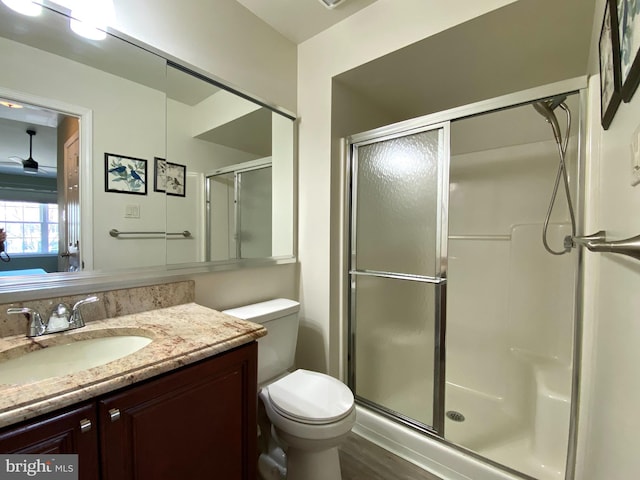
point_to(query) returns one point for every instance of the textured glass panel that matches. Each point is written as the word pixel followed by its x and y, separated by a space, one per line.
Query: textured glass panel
pixel 222 234
pixel 394 344
pixel 255 213
pixel 397 201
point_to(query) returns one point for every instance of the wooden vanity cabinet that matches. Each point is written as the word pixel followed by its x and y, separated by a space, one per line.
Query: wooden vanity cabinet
pixel 72 430
pixel 198 423
pixel 195 423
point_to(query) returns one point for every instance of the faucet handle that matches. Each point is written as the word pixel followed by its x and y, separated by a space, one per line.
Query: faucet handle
pixel 36 326
pixel 76 317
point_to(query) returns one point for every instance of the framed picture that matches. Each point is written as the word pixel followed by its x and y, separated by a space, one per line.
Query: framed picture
pixel 160 175
pixel 628 20
pixel 609 65
pixel 175 179
pixel 124 174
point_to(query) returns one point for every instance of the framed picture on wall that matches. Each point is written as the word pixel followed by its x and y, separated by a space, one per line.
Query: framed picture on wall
pixel 176 176
pixel 160 174
pixel 628 19
pixel 124 174
pixel 610 85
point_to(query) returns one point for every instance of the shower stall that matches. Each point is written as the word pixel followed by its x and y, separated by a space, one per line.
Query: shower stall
pixel 463 283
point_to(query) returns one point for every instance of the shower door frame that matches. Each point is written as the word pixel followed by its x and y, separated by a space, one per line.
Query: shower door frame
pixel 577 85
pixel 439 280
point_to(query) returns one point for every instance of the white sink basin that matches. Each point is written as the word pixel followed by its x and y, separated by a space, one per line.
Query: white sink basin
pixel 75 356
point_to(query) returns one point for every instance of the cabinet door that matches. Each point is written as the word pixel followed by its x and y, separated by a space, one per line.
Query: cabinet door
pixel 60 433
pixel 193 424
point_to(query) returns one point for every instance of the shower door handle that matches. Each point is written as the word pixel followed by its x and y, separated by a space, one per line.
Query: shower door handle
pixel 598 243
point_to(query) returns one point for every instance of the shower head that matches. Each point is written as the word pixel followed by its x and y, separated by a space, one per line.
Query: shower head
pixel 546 108
pixel 555 102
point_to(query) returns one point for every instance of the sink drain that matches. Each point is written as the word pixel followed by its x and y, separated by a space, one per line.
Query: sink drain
pixel 455 416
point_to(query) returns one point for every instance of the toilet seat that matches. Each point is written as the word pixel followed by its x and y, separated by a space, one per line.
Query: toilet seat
pixel 311 397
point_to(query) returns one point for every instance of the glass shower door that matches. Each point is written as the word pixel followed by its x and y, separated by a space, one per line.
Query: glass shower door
pixel 398 198
pixel 254 213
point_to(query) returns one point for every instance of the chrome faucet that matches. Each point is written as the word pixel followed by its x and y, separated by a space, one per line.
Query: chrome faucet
pixel 76 320
pixel 60 319
pixel 36 326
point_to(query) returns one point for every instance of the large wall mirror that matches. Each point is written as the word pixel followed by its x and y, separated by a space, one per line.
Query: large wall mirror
pixel 141 161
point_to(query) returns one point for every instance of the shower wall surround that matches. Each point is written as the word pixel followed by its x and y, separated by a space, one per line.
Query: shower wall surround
pixel 510 306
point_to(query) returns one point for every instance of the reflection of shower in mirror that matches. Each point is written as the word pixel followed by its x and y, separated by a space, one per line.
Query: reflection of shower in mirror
pixel 239 211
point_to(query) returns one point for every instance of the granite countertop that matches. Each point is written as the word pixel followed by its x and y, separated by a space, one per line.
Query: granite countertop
pixel 181 335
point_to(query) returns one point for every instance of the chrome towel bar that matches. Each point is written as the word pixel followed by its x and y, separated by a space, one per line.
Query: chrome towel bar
pixel 116 233
pixel 598 243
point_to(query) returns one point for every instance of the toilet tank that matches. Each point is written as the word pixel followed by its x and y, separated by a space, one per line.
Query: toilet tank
pixel 276 351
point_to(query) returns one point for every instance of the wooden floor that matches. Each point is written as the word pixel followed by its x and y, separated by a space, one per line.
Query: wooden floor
pixel 363 460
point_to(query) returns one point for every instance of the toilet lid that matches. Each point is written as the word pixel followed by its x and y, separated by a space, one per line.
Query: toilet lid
pixel 311 397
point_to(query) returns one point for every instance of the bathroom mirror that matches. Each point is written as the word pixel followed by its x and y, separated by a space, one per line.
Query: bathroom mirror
pixel 136 111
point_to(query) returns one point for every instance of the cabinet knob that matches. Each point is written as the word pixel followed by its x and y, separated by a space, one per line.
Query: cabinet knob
pixel 114 414
pixel 85 425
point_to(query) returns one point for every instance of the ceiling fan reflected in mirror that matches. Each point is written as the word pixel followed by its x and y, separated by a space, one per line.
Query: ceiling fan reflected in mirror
pixel 331 4
pixel 29 165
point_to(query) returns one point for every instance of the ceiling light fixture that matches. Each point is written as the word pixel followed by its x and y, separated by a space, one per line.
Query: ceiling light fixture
pixel 4 103
pixel 25 7
pixel 90 19
pixel 331 4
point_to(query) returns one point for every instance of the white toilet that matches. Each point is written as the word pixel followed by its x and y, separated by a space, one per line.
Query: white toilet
pixel 310 412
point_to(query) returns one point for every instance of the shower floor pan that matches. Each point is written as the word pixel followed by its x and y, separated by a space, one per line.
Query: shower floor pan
pixel 490 429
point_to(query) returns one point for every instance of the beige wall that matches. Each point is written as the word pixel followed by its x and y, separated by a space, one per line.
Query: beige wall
pixel 610 420
pixel 241 287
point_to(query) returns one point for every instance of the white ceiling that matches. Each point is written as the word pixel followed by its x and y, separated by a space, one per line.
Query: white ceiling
pixel 299 20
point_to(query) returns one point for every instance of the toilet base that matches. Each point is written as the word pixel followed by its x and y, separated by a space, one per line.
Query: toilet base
pixel 272 465
pixel 318 465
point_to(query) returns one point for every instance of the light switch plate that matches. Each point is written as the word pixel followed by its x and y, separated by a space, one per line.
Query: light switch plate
pixel 132 211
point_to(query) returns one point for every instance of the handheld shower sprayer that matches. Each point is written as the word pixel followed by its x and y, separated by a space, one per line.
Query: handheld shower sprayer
pixel 546 109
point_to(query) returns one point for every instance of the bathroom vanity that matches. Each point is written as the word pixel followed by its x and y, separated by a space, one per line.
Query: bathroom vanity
pixel 182 407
